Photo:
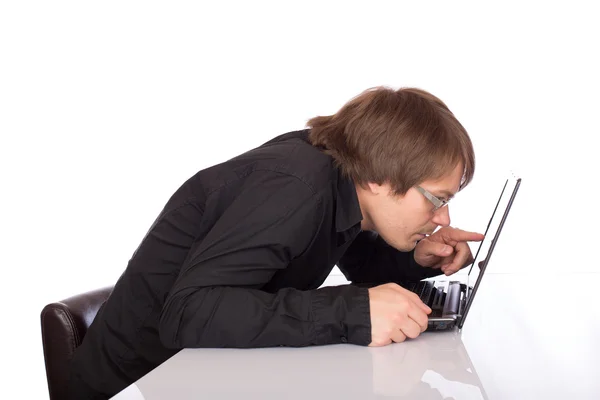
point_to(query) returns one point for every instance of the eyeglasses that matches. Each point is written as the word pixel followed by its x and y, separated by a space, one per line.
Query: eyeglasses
pixel 437 202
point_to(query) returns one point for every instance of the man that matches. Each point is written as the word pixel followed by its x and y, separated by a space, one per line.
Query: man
pixel 238 254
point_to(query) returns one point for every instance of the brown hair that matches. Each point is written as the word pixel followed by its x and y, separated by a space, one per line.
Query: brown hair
pixel 401 137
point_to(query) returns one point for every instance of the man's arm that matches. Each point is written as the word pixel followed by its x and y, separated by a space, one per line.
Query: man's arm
pixel 371 261
pixel 216 300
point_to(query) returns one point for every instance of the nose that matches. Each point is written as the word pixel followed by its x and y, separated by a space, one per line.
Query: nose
pixel 442 216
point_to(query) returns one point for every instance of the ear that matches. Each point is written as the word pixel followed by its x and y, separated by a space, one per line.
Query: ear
pixel 376 188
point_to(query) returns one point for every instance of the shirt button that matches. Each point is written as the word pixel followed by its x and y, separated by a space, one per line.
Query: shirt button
pixel 344 339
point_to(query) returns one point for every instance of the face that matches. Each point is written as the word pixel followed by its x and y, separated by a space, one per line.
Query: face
pixel 403 220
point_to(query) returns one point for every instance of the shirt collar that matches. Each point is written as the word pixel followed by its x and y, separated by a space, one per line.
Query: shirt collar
pixel 347 213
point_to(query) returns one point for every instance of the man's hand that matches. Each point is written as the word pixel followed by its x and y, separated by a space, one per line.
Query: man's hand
pixel 396 313
pixel 446 249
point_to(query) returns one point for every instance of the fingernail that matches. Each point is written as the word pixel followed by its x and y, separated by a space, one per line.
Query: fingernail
pixel 447 249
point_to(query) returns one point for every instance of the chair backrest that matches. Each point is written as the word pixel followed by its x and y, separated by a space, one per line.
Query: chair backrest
pixel 64 324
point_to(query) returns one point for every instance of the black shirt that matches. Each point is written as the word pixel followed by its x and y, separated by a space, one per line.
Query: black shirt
pixel 236 259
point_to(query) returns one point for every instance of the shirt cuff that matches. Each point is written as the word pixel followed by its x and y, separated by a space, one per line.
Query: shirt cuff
pixel 342 314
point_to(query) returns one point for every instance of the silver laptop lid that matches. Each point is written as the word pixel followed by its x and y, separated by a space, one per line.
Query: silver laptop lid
pixel 486 247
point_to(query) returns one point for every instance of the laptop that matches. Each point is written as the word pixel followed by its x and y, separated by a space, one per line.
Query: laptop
pixel 450 300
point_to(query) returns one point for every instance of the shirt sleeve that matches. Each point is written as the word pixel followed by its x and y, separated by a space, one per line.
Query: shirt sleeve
pixel 370 261
pixel 217 300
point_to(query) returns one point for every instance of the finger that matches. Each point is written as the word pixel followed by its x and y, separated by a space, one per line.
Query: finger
pixel 458 235
pixel 417 302
pixel 379 343
pixel 410 328
pixel 462 257
pixel 398 336
pixel 429 247
pixel 419 318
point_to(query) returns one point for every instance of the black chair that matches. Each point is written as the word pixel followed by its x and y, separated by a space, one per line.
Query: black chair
pixel 64 324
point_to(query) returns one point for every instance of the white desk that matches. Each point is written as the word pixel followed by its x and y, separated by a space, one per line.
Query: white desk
pixel 516 344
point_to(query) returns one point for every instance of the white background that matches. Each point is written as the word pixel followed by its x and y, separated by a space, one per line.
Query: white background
pixel 107 107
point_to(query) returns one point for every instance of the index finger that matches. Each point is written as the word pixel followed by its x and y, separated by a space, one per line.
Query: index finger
pixel 415 299
pixel 462 258
pixel 458 235
pixel 417 315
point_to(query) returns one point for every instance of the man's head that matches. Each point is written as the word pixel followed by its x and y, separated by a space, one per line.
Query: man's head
pixel 399 147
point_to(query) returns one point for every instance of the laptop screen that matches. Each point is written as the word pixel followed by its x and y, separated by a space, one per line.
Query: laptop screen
pixel 486 247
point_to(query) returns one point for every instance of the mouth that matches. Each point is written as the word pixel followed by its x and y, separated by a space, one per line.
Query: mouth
pixel 429 232
pixel 423 235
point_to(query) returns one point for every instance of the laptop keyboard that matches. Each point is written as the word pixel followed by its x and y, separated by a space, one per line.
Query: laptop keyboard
pixel 435 298
pixel 429 294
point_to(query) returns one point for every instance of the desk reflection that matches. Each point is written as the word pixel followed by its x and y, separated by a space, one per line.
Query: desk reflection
pixel 434 366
